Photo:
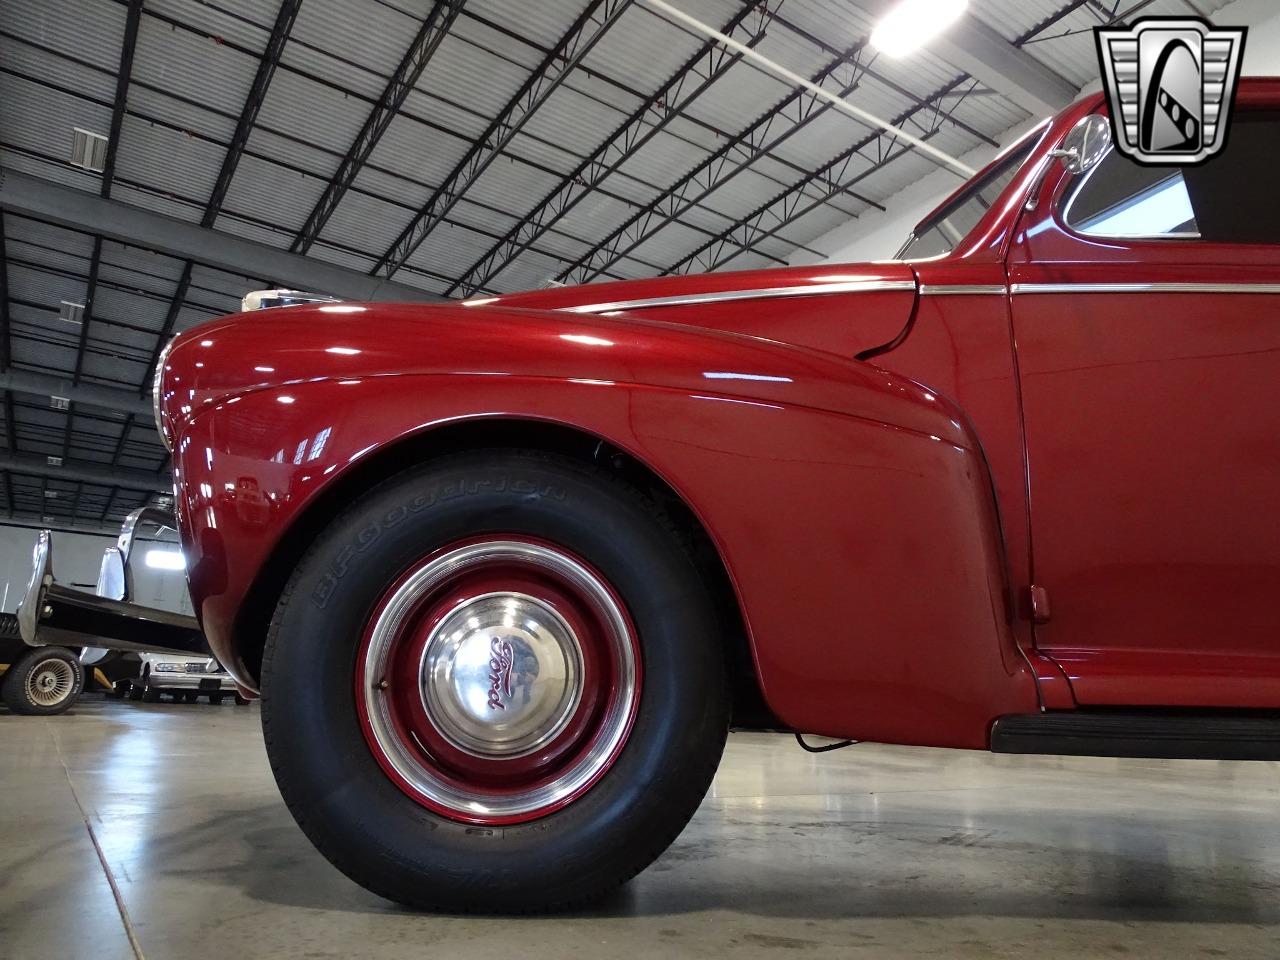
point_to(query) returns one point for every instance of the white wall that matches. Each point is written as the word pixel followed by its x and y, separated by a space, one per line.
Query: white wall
pixel 878 235
pixel 75 563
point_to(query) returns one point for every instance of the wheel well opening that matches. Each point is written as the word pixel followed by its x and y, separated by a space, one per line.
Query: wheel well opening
pixel 749 708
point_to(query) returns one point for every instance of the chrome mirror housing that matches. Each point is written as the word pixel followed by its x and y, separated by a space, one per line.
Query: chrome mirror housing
pixel 1085 145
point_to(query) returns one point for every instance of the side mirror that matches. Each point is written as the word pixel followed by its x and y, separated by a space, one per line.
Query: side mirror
pixel 1085 145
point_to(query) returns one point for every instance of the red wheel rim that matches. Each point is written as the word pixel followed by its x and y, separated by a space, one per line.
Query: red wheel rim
pixel 498 679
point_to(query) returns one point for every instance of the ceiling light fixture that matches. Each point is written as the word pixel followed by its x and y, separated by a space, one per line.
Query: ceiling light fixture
pixel 913 23
pixel 160 559
pixel 821 93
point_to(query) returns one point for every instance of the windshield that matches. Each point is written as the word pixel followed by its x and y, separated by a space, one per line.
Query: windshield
pixel 941 233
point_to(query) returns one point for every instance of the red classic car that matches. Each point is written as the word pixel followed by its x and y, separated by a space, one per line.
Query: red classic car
pixel 505 571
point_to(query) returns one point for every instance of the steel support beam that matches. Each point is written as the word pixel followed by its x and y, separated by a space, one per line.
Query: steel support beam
pixel 28 520
pixel 433 30
pixel 66 206
pixel 91 395
pixel 710 62
pixel 972 46
pixel 789 206
pixel 5 339
pixel 545 79
pixel 793 113
pixel 34 466
pixel 881 79
pixel 985 55
pixel 285 16
pixel 768 220
pixel 124 73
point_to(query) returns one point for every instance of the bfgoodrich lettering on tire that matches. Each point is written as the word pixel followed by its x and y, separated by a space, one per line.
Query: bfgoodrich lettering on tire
pixel 494 684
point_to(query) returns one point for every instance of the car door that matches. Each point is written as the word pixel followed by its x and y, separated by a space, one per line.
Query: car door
pixel 1146 311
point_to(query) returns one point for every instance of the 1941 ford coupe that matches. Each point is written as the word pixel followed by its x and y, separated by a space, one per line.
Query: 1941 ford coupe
pixel 505 571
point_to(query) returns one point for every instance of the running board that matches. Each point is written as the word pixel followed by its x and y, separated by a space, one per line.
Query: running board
pixel 1170 736
pixel 52 614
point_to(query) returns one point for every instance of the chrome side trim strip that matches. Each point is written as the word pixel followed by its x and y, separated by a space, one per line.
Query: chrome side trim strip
pixel 765 293
pixel 1145 288
pixel 961 289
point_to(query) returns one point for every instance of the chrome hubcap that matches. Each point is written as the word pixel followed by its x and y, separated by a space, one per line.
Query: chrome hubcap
pixel 498 680
pixel 50 683
pixel 501 675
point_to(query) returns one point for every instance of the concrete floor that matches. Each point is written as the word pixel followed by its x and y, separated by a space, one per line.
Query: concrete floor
pixel 873 851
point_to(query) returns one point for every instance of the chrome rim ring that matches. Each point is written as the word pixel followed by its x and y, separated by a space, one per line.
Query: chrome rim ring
pixel 522 685
pixel 50 682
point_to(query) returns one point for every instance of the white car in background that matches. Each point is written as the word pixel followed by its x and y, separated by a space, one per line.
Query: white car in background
pixel 183 677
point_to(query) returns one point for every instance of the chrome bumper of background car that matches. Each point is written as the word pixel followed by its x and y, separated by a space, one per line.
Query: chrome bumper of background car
pixel 53 614
pixel 177 680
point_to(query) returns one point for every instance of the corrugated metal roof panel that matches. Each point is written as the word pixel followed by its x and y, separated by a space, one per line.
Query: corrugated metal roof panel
pixel 643 47
pixel 542 23
pixel 269 191
pixel 89 32
pixel 374 35
pixel 417 152
pixel 164 58
pixel 314 113
pixel 168 160
pixel 42 120
pixel 366 223
pixel 196 61
pixel 28 59
pixel 246 23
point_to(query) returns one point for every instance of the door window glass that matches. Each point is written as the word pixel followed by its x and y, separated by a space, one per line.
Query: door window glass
pixel 1232 198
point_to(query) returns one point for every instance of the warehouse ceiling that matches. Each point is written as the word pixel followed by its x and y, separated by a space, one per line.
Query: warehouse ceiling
pixel 457 148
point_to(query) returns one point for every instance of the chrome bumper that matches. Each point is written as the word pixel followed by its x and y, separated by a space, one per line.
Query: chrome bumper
pixel 53 614
pixel 177 680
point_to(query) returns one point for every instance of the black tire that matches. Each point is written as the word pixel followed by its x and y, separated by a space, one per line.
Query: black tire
pixel 43 681
pixel 241 701
pixel 191 696
pixel 149 693
pixel 215 698
pixel 390 844
pixel 135 689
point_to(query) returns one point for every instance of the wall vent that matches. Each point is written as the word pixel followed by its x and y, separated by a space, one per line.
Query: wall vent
pixel 88 149
pixel 71 312
pixel 53 461
pixel 59 403
pixel 51 494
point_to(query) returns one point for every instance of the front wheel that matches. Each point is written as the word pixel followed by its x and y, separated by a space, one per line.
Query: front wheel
pixel 495 684
pixel 150 693
pixel 43 681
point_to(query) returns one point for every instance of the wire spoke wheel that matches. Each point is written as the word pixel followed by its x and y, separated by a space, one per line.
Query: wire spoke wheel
pixel 50 682
pixel 42 681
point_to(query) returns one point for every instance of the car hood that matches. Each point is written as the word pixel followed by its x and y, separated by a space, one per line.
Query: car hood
pixel 841 308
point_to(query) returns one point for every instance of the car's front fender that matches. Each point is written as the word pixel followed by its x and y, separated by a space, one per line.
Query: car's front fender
pixel 851 509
